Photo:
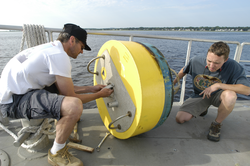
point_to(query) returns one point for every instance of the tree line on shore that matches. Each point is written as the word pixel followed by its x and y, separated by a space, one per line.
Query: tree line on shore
pixel 217 28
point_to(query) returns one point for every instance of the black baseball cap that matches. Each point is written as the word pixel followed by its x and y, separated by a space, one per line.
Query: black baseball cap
pixel 78 32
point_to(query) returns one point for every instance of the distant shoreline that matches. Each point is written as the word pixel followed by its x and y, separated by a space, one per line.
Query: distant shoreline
pixel 214 29
pixel 186 29
pixel 161 30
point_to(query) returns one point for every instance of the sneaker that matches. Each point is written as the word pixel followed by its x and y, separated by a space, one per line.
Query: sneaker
pixel 63 158
pixel 214 132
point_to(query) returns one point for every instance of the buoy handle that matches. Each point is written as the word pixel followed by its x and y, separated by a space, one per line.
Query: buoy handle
pixel 129 114
pixel 103 56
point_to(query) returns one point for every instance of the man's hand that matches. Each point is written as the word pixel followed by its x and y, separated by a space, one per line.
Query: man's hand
pixel 207 92
pixel 97 88
pixel 105 92
pixel 66 87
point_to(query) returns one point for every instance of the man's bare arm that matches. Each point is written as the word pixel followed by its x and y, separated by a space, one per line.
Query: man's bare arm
pixel 180 75
pixel 237 88
pixel 66 87
pixel 88 89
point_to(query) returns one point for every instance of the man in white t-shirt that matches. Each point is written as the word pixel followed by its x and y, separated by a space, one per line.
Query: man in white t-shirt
pixel 24 92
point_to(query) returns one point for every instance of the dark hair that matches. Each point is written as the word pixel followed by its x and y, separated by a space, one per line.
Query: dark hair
pixel 220 49
pixel 64 37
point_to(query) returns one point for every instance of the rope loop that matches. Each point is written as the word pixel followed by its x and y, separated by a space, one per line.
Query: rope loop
pixel 38 133
pixel 34 35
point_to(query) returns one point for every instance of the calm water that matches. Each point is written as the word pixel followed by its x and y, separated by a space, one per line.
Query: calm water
pixel 174 51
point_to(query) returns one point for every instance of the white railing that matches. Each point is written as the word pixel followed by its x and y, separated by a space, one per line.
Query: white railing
pixel 237 58
pixel 237 55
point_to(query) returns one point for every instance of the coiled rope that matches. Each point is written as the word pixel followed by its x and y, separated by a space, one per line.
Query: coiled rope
pixel 176 88
pixel 37 131
pixel 34 34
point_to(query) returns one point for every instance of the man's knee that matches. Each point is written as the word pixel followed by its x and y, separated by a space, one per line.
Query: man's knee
pixel 229 96
pixel 72 106
pixel 182 117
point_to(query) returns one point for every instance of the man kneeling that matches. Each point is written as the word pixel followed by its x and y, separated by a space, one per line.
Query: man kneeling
pixel 216 81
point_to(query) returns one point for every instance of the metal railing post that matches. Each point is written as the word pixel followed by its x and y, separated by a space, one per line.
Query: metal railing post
pixel 183 87
pixel 131 38
pixel 238 52
pixel 50 36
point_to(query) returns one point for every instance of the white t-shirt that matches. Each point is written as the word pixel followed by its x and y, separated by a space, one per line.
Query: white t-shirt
pixel 34 68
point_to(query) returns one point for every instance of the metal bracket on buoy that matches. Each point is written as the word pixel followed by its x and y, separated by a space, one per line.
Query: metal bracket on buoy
pixel 113 103
pixel 119 126
pixel 97 73
pixel 110 86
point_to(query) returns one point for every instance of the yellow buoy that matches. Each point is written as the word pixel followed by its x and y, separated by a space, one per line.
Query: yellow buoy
pixel 142 83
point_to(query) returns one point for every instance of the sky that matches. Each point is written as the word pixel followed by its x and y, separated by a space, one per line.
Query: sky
pixel 126 13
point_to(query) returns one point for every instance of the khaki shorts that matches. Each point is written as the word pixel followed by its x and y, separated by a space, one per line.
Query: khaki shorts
pixel 36 104
pixel 198 105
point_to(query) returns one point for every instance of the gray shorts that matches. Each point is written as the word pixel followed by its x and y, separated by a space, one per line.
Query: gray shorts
pixel 198 105
pixel 36 104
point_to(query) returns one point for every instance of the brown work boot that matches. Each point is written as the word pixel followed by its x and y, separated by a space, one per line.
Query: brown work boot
pixel 63 158
pixel 214 132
